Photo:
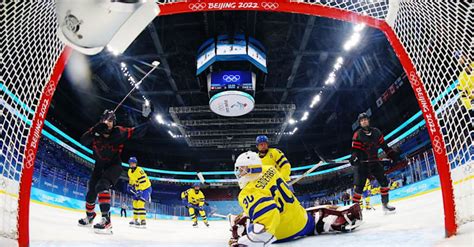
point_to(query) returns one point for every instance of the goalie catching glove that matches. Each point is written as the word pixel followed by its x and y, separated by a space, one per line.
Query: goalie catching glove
pixel 333 218
pixel 245 233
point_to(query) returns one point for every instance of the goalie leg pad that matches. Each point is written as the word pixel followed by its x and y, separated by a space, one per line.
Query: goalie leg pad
pixel 331 218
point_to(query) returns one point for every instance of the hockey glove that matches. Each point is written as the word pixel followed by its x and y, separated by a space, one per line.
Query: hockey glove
pixel 185 203
pixel 205 203
pixel 256 236
pixel 354 160
pixel 394 156
pixel 99 129
pixel 131 189
pixel 139 194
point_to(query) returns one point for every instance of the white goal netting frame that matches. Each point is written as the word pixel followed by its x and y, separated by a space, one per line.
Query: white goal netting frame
pixel 427 36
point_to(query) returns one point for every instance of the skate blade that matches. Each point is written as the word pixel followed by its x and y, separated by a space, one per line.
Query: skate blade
pixel 103 231
pixel 139 227
pixel 389 212
pixel 85 226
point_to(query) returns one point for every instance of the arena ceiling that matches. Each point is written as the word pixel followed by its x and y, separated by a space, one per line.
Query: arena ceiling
pixel 301 51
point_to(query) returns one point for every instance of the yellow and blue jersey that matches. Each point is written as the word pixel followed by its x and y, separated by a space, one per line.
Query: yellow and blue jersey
pixel 466 81
pixel 367 188
pixel 194 198
pixel 466 86
pixel 394 185
pixel 269 202
pixel 138 179
pixel 276 158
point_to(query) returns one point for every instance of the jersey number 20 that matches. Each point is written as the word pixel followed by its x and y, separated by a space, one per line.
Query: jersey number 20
pixel 280 184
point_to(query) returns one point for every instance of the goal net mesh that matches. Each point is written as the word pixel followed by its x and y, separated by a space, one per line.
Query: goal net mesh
pixel 437 35
pixel 439 38
pixel 29 49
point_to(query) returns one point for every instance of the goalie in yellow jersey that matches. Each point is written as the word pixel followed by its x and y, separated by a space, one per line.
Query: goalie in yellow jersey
pixel 140 186
pixel 273 157
pixel 272 213
pixel 194 200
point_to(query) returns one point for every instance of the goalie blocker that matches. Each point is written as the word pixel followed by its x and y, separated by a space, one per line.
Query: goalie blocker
pixel 327 218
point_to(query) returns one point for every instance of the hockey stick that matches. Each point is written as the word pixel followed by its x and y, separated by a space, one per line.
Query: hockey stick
pixel 332 162
pixel 201 178
pixel 306 173
pixel 220 216
pixel 155 65
pixel 340 162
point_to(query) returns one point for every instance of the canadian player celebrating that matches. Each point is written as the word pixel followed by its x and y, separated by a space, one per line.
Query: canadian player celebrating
pixel 107 142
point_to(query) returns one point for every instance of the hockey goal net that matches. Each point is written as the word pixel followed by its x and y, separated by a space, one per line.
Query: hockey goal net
pixel 433 39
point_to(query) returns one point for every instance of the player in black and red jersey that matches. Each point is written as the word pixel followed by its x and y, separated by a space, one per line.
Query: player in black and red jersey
pixel 366 142
pixel 107 142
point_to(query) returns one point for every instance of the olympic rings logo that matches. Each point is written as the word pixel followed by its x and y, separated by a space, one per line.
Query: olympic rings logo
pixel 414 79
pixel 231 78
pixel 270 5
pixel 30 158
pixel 437 145
pixel 50 90
pixel 197 6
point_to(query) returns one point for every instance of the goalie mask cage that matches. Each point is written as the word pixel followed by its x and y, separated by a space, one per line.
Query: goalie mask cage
pixel 425 35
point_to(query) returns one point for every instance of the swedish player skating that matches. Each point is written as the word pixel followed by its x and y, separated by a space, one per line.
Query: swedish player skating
pixel 140 186
pixel 194 200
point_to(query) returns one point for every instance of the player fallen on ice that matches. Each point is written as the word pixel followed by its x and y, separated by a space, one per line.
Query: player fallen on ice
pixel 107 142
pixel 273 214
pixel 366 142
pixel 140 186
pixel 273 157
pixel 194 201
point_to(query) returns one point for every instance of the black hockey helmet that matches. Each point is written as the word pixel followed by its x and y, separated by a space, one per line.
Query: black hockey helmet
pixel 108 115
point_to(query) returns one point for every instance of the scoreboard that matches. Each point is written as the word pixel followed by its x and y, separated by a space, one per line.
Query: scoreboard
pixel 237 80
pixel 231 92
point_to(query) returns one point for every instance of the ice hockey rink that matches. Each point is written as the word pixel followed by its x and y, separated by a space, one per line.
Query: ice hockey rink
pixel 418 222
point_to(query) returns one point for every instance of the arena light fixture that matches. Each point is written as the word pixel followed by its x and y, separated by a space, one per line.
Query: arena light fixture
pixel 294 130
pixel 359 27
pixel 305 116
pixel 171 134
pixel 353 41
pixel 113 51
pixel 159 119
pixel 316 99
pixel 291 121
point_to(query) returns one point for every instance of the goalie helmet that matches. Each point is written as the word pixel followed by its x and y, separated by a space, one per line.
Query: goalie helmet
pixel 248 167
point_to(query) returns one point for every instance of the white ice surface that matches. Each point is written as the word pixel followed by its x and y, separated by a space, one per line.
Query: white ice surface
pixel 418 222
